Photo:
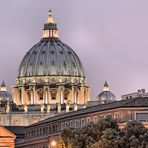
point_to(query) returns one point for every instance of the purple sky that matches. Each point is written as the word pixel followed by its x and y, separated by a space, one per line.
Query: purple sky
pixel 109 36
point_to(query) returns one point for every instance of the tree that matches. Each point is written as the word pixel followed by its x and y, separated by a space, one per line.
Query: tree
pixel 106 134
pixel 134 135
pixel 88 135
pixel 66 136
pixel 109 139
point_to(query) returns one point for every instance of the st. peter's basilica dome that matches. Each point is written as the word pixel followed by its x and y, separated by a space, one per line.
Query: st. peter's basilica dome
pixel 51 72
pixel 50 57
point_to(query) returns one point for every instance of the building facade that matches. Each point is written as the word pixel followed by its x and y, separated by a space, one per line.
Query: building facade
pixel 7 138
pixel 139 93
pixel 50 81
pixel 51 73
pixel 42 134
pixel 51 94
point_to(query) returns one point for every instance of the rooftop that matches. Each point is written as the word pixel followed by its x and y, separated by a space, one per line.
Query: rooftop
pixel 133 102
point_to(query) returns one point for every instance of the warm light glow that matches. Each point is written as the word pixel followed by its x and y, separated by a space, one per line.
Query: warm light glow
pixel 53 143
pixel 50 18
pixel 105 88
pixel 50 33
pixel 3 89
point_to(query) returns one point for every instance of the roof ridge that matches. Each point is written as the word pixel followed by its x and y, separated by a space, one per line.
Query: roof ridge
pixel 130 100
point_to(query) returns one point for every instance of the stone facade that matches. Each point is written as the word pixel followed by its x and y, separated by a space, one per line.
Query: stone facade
pixel 51 73
pixel 22 119
pixel 46 93
pixel 40 135
pixel 50 81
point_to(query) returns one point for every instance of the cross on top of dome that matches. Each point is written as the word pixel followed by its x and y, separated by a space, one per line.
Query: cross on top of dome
pixel 50 19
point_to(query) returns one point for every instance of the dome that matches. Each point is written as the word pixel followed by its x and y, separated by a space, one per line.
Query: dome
pixel 106 96
pixel 51 73
pixel 4 95
pixel 50 57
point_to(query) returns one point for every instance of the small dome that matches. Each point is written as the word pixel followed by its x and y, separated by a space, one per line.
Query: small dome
pixel 50 57
pixel 106 96
pixel 4 95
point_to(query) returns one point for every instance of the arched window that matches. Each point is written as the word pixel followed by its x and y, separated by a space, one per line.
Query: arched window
pixel 40 94
pixel 53 94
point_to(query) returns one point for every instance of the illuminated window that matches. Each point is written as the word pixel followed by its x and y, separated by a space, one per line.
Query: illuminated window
pixel 53 94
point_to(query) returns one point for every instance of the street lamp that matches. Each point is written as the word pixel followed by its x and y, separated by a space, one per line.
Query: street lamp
pixel 53 144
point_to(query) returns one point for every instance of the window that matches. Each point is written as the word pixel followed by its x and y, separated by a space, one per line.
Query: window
pixel 116 116
pixel 44 131
pixel 88 120
pixel 95 119
pixel 66 93
pixel 71 124
pixel 53 94
pixel 49 129
pixel 29 133
pixel 29 95
pixel 66 124
pixel 82 122
pixel 40 94
pixel 40 131
pixel 76 123
pixel 62 125
pixel 37 132
pixel 53 128
pixel 56 127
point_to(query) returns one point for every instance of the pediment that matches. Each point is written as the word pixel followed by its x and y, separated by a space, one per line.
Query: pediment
pixel 5 133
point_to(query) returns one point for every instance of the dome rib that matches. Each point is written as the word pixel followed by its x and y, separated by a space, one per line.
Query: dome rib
pixel 58 71
pixel 27 61
pixel 49 58
pixel 37 61
pixel 67 57
pixel 78 62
